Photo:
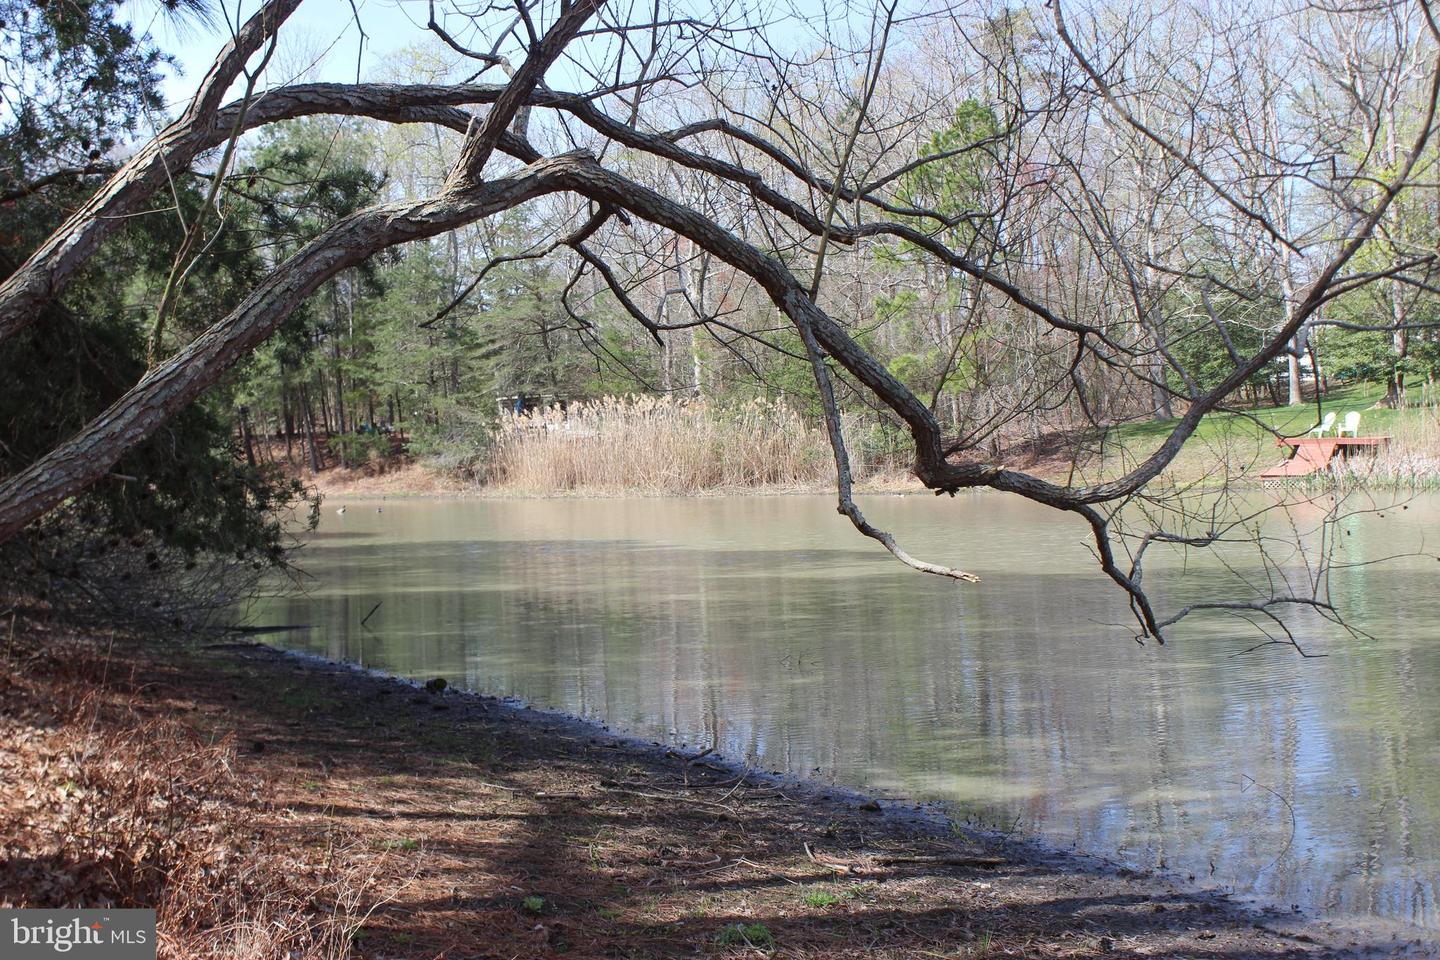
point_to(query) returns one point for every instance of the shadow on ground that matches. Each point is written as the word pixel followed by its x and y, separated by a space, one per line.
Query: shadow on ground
pixel 488 831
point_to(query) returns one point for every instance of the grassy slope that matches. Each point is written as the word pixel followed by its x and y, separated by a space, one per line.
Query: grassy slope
pixel 1241 444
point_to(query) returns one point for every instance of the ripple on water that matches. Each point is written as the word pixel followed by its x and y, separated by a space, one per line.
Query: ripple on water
pixel 767 628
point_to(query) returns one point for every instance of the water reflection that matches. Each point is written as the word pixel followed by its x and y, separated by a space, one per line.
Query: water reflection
pixel 765 628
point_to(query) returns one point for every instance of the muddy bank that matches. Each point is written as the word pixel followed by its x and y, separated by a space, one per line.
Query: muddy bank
pixel 1194 469
pixel 374 818
pixel 422 480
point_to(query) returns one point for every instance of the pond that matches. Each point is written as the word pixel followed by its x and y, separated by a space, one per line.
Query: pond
pixel 766 628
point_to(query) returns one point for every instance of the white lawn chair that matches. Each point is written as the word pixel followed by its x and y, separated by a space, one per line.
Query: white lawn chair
pixel 1351 425
pixel 1325 425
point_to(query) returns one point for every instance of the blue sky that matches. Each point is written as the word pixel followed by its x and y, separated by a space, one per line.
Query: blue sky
pixel 328 28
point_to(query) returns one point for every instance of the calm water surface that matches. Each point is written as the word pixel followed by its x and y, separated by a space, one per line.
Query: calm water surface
pixel 768 629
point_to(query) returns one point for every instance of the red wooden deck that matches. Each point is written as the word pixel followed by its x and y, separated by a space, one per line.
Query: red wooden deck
pixel 1312 454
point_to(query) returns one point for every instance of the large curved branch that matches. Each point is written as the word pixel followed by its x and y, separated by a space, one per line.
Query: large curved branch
pixel 482 141
pixel 87 456
pixel 844 481
pixel 47 270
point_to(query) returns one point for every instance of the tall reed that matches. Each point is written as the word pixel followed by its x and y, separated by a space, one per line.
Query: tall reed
pixel 1410 459
pixel 661 445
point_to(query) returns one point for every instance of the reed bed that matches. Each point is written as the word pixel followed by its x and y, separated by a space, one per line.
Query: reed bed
pixel 662 445
pixel 1411 459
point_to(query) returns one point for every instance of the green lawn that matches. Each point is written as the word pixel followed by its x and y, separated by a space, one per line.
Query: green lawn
pixel 1290 421
pixel 1243 434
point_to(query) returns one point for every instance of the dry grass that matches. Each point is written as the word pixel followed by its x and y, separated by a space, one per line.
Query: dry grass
pixel 108 798
pixel 1412 458
pixel 417 479
pixel 661 446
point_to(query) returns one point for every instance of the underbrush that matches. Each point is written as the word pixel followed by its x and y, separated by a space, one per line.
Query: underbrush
pixel 108 798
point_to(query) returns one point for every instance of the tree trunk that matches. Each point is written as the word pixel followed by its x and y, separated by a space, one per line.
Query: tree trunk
pixel 1316 372
pixel 46 272
pixel 245 436
pixel 1292 370
pixel 1297 344
pixel 339 372
pixel 310 430
pixel 1274 390
pixel 1400 340
pixel 322 391
pixel 289 426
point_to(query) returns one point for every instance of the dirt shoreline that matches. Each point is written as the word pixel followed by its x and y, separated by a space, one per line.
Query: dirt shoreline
pixel 388 821
pixel 416 481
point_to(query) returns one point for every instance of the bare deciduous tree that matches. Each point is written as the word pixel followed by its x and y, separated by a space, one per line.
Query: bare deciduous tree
pixel 1118 173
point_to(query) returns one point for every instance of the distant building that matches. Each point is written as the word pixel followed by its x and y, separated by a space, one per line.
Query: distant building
pixel 523 403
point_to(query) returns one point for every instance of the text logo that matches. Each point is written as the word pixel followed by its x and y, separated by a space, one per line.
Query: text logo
pixel 77 934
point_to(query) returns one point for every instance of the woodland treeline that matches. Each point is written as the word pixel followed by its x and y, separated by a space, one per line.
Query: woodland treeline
pixel 928 230
pixel 439 337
